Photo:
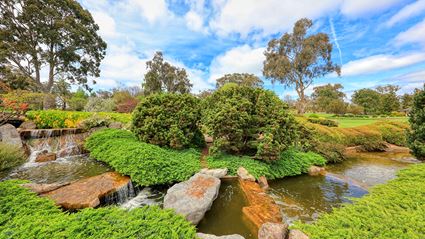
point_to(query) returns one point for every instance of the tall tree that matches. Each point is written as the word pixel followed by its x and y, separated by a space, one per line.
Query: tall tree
pixel 164 77
pixel 416 136
pixel 296 59
pixel 55 34
pixel 406 101
pixel 243 79
pixel 329 98
pixel 389 100
pixel 369 99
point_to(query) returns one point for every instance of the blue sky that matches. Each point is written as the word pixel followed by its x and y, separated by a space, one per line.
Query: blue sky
pixel 376 42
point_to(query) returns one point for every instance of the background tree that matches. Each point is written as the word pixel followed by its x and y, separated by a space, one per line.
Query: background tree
pixel 164 77
pixel 62 90
pixel 416 136
pixel 244 79
pixel 78 100
pixel 296 59
pixel 57 34
pixel 389 99
pixel 329 98
pixel 15 80
pixel 369 99
pixel 406 101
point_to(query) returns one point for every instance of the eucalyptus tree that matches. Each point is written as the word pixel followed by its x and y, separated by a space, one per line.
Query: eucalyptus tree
pixel 244 79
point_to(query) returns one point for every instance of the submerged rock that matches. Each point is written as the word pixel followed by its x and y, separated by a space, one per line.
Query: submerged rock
pixel 210 236
pixel 45 157
pixel 10 135
pixel 297 234
pixel 218 172
pixel 245 175
pixel 87 192
pixel 193 197
pixel 316 171
pixel 273 231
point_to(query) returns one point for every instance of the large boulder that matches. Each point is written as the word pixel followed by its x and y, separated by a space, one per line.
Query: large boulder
pixel 297 234
pixel 193 197
pixel 28 125
pixel 210 236
pixel 87 192
pixel 273 231
pixel 9 134
pixel 41 188
pixel 217 172
pixel 245 175
pixel 316 171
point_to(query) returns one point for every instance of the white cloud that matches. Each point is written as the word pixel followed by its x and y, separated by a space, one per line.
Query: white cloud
pixel 241 59
pixel 107 26
pixel 152 10
pixel 415 34
pixel 409 81
pixel 409 11
pixel 194 21
pixel 378 63
pixel 357 8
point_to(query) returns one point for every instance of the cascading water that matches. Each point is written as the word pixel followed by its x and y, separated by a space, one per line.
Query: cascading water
pixel 147 196
pixel 122 195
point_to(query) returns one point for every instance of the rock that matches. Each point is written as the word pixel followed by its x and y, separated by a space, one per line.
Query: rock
pixel 116 125
pixel 218 172
pixel 10 135
pixel 45 157
pixel 245 175
pixel 87 192
pixel 208 139
pixel 210 236
pixel 315 171
pixel 193 197
pixel 70 151
pixel 273 231
pixel 263 182
pixel 28 125
pixel 41 188
pixel 297 234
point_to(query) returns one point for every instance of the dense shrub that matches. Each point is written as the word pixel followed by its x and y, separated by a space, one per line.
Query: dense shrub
pixel 332 152
pixel 47 119
pixel 35 100
pixel 94 121
pixel 146 164
pixel 10 156
pixel 417 123
pixel 97 104
pixel 323 121
pixel 26 215
pixel 391 211
pixel 290 163
pixel 246 120
pixel 168 120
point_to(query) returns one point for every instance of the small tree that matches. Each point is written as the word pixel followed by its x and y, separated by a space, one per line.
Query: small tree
pixel 389 99
pixel 164 77
pixel 296 59
pixel 244 79
pixel 416 136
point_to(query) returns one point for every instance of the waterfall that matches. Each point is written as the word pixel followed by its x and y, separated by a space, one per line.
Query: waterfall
pixel 120 196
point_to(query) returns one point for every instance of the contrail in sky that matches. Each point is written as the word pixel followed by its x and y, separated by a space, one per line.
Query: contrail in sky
pixel 335 39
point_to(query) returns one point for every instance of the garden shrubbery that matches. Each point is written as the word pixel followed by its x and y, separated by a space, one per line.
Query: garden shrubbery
pixel 246 120
pixel 146 164
pixel 323 121
pixel 10 156
pixel 417 123
pixel 391 211
pixel 169 120
pixel 290 163
pixel 26 215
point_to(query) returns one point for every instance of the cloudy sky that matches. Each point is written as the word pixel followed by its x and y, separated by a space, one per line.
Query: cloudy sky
pixel 376 41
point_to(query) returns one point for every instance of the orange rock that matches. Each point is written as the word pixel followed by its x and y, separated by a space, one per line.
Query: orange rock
pixel 45 157
pixel 87 192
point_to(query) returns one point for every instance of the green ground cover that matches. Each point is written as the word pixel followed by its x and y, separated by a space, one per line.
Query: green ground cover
pixel 348 122
pixel 290 163
pixel 146 164
pixel 395 210
pixel 26 215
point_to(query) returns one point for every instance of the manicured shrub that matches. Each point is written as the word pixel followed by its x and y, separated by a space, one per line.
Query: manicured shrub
pixel 97 104
pixel 391 211
pixel 290 163
pixel 26 215
pixel 246 120
pixel 169 120
pixel 146 164
pixel 10 156
pixel 417 123
pixel 323 121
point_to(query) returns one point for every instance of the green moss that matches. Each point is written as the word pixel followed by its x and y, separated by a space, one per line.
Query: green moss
pixel 25 215
pixel 395 210
pixel 290 163
pixel 146 164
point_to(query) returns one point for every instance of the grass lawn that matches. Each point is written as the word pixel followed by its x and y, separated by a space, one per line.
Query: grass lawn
pixel 345 122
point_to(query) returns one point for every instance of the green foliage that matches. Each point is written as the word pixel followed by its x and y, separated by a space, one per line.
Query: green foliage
pixel 329 98
pixel 249 120
pixel 368 99
pixel 417 124
pixel 97 104
pixel 290 163
pixel 239 79
pixel 146 164
pixel 323 121
pixel 33 99
pixel 383 100
pixel 78 100
pixel 94 121
pixel 47 119
pixel 10 156
pixel 169 120
pixel 26 215
pixel 391 211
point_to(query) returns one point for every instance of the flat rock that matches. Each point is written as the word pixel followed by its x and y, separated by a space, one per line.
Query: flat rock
pixel 218 172
pixel 297 234
pixel 245 175
pixel 210 236
pixel 192 198
pixel 87 192
pixel 10 135
pixel 41 188
pixel 316 171
pixel 70 151
pixel 273 231
pixel 45 157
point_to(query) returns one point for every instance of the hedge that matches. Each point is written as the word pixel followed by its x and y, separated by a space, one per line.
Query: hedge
pixel 26 215
pixel 290 163
pixel 48 119
pixel 395 210
pixel 146 164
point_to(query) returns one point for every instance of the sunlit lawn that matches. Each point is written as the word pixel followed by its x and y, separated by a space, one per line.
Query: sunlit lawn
pixel 353 122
